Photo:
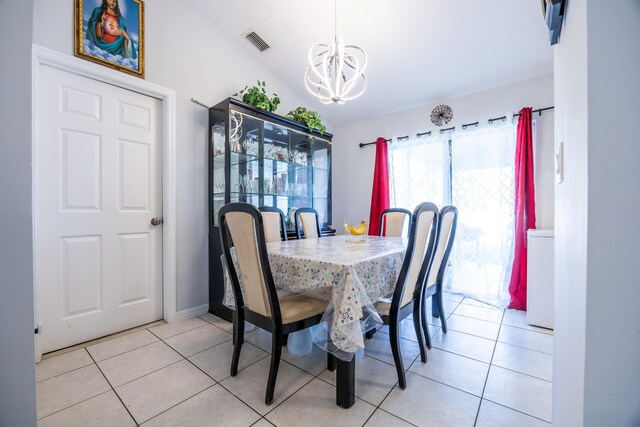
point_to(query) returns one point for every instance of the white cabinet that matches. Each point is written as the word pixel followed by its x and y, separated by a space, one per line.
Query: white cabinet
pixel 540 278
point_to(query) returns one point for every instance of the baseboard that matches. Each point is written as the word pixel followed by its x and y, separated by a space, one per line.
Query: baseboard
pixel 191 312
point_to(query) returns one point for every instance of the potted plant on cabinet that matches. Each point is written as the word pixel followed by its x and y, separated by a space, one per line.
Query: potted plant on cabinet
pixel 307 117
pixel 257 96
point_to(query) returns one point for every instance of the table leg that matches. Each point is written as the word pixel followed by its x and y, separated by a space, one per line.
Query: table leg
pixel 346 383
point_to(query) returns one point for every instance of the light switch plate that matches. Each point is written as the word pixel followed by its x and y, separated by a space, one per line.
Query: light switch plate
pixel 559 163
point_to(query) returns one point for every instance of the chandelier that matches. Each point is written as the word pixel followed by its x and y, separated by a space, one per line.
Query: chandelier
pixel 335 71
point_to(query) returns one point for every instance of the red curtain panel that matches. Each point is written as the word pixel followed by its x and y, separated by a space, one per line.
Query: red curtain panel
pixel 380 191
pixel 525 209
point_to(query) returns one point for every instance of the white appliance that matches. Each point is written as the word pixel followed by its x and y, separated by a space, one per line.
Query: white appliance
pixel 540 278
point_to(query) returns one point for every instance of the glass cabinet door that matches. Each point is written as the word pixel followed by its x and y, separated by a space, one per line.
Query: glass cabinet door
pixel 321 173
pixel 218 148
pixel 245 140
pixel 267 164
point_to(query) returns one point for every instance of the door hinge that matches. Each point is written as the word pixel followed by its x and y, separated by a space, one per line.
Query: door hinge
pixel 38 329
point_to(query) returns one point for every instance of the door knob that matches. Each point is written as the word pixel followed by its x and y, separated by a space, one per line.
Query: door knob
pixel 156 221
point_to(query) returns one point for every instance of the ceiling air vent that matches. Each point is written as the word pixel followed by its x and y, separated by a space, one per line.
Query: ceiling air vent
pixel 256 40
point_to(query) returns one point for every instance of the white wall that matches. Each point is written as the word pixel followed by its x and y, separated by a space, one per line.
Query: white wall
pixel 187 52
pixel 597 290
pixel 353 166
pixel 570 64
pixel 17 357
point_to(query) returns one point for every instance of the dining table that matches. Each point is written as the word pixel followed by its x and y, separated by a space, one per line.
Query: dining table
pixel 351 276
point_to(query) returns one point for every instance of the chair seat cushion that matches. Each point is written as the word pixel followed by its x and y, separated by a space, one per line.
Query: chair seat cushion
pixel 298 307
pixel 383 306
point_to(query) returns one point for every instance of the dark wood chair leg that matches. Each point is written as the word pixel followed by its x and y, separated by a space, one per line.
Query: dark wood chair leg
pixel 435 310
pixel 238 340
pixel 443 317
pixel 369 334
pixel 331 362
pixel 285 340
pixel 276 351
pixel 425 324
pixel 397 355
pixel 418 329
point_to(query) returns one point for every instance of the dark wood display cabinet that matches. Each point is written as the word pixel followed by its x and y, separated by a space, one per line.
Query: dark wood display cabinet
pixel 264 159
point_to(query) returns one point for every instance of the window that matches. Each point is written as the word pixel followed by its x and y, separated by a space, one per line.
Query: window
pixel 473 170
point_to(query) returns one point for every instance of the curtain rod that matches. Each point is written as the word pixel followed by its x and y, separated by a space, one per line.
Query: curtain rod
pixel 464 126
pixel 200 103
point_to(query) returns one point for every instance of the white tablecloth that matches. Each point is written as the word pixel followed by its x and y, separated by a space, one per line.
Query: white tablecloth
pixel 350 275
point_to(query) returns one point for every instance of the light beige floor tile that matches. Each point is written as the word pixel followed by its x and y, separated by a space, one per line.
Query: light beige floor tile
pixel 379 348
pixel 433 331
pixel 493 415
pixel 250 384
pixel 381 418
pixel 488 314
pixel 471 301
pixel 58 393
pixel 407 330
pixel 315 405
pixel 313 363
pixel 260 338
pixel 218 321
pixel 530 362
pixel 527 339
pixel 434 321
pixel 170 329
pixel 457 371
pixel 227 326
pixel 104 410
pixel 121 345
pixel 216 361
pixel 518 319
pixel 199 339
pixel 448 296
pixel 520 392
pixel 374 379
pixel 213 407
pixel 469 325
pixel 262 423
pixel 429 403
pixel 465 345
pixel 152 394
pixel 449 306
pixel 137 363
pixel 102 339
pixel 64 363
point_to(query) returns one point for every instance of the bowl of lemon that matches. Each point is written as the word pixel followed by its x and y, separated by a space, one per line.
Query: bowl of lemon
pixel 356 233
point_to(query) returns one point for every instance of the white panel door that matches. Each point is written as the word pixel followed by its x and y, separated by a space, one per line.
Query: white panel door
pixel 98 185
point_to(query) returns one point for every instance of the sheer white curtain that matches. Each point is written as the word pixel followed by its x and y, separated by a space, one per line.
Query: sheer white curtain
pixel 419 171
pixel 482 184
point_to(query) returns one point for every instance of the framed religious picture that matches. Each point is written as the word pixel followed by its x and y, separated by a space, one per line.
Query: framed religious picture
pixel 111 33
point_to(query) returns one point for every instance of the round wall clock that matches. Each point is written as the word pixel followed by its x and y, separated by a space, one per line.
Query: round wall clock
pixel 441 115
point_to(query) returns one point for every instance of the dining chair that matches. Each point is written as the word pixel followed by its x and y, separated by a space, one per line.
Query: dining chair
pixel 275 229
pixel 407 295
pixel 395 219
pixel 242 229
pixel 307 219
pixel 447 222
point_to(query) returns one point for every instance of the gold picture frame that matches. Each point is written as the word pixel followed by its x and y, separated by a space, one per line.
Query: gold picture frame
pixel 111 33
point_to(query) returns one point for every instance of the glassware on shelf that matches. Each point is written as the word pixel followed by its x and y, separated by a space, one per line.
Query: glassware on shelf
pixel 250 145
pixel 281 154
pixel 218 139
pixel 283 183
pixel 268 185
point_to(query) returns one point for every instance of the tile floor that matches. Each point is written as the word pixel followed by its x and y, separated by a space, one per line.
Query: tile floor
pixel 490 369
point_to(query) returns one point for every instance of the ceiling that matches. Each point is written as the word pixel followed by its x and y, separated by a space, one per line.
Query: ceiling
pixel 419 51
